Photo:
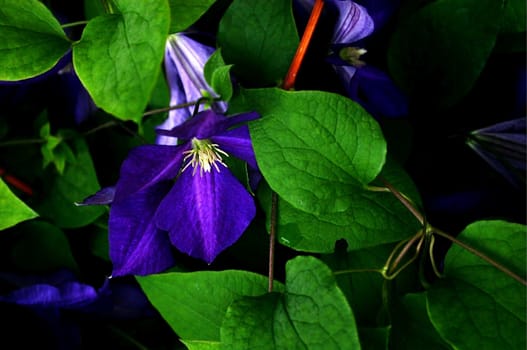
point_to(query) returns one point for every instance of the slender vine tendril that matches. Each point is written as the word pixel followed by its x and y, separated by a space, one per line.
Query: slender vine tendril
pixel 22 142
pixel 405 201
pixel 431 255
pixel 388 270
pixel 179 106
pixel 433 230
pixel 344 272
pixel 108 6
pixel 74 24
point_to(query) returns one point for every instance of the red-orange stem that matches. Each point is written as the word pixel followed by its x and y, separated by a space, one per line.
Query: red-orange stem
pixel 289 81
pixel 16 183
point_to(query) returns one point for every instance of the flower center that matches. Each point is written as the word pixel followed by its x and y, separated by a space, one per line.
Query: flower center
pixel 205 155
pixel 352 55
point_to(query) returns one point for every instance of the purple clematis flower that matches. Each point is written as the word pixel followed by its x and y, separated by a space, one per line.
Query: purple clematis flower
pixel 185 190
pixel 369 86
pixel 185 59
pixel 365 84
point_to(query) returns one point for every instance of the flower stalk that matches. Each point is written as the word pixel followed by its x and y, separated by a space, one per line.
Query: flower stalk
pixel 290 78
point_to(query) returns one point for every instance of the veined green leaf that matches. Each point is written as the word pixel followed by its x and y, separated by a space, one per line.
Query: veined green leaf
pixel 32 39
pixel 119 56
pixel 477 306
pixel 194 303
pixel 312 313
pixel 315 149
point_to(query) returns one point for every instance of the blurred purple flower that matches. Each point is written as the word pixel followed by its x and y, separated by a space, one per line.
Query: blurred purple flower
pixel 196 209
pixel 365 84
pixel 47 295
pixel 58 290
pixel 185 59
pixel 503 147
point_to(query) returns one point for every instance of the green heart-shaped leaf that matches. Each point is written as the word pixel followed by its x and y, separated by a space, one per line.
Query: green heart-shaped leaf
pixel 362 225
pixel 315 149
pixel 32 40
pixel 194 303
pixel 119 56
pixel 312 313
pixel 477 306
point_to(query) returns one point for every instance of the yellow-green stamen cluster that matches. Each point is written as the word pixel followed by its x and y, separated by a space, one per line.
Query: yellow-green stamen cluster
pixel 205 155
pixel 352 55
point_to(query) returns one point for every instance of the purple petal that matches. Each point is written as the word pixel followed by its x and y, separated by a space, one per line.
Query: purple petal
pixel 66 295
pixel 503 146
pixel 346 73
pixel 237 142
pixel 177 96
pixel 380 10
pixel 374 90
pixel 102 197
pixel 137 246
pixel 353 23
pixel 148 165
pixel 206 214
pixel 202 126
pixel 185 59
pixel 510 126
pixel 207 124
pixel 241 118
pixel 508 139
pixel 504 166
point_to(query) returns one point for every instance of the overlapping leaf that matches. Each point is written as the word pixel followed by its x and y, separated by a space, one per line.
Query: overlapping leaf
pixel 194 304
pixel 362 225
pixel 315 149
pixel 312 313
pixel 32 39
pixel 476 305
pixel 217 74
pixel 119 56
